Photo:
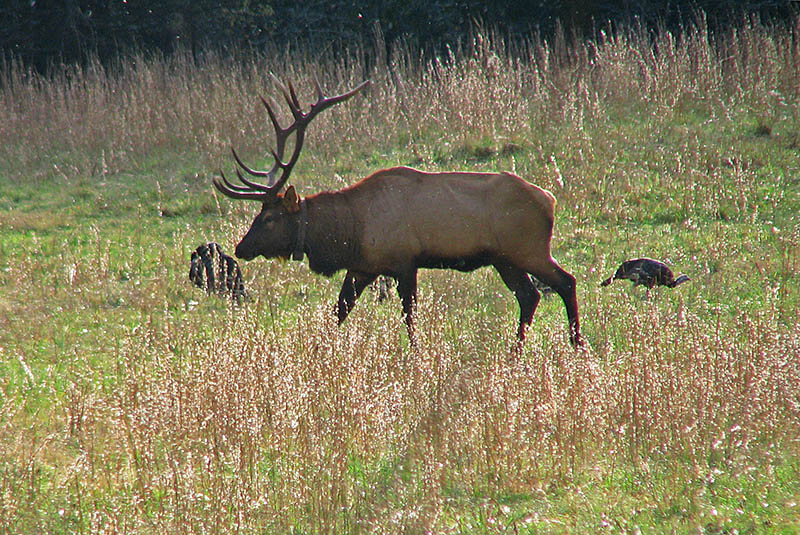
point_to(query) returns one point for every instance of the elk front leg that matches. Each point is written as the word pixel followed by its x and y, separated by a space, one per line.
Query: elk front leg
pixel 526 293
pixel 354 283
pixel 407 289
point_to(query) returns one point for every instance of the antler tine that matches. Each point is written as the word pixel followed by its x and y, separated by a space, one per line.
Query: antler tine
pixel 276 81
pixel 324 102
pixel 278 161
pixel 253 172
pixel 272 117
pixel 290 96
pixel 236 192
pixel 253 186
pixel 230 185
pixel 281 134
pixel 294 106
pixel 293 94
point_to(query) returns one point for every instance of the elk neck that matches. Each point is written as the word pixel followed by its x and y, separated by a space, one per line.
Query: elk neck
pixel 302 224
pixel 331 238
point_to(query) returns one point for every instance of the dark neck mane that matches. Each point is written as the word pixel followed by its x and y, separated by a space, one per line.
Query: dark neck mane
pixel 331 237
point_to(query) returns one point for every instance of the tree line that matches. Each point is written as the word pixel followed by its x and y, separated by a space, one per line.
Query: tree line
pixel 43 33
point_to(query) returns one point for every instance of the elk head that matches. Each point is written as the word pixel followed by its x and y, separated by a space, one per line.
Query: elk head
pixel 278 230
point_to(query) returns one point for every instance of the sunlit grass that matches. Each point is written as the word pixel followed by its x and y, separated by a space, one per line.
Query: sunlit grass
pixel 130 401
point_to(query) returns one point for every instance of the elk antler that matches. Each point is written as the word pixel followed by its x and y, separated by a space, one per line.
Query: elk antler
pixel 261 192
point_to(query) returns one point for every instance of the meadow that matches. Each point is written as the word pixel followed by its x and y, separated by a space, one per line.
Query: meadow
pixel 133 402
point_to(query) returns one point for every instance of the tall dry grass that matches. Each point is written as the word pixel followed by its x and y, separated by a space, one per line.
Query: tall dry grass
pixel 310 428
pixel 106 120
pixel 137 406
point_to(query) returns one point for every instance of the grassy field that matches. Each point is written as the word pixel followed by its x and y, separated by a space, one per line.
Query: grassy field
pixel 132 402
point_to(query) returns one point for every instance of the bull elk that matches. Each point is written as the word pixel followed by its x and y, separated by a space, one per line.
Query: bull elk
pixel 399 220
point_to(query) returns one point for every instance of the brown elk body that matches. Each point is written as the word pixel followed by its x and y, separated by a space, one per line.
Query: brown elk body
pixel 400 219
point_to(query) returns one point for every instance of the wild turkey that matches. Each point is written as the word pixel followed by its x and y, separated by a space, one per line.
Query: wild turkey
pixel 647 272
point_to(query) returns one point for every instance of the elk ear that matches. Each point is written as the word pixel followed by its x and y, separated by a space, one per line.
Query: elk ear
pixel 291 201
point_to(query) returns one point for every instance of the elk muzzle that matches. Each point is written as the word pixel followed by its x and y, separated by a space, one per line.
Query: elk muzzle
pixel 245 250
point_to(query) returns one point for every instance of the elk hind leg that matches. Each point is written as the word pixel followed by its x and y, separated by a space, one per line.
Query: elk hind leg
pixel 526 293
pixel 354 283
pixel 563 283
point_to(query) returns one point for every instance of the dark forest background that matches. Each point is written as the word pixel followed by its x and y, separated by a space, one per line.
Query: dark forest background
pixel 48 33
